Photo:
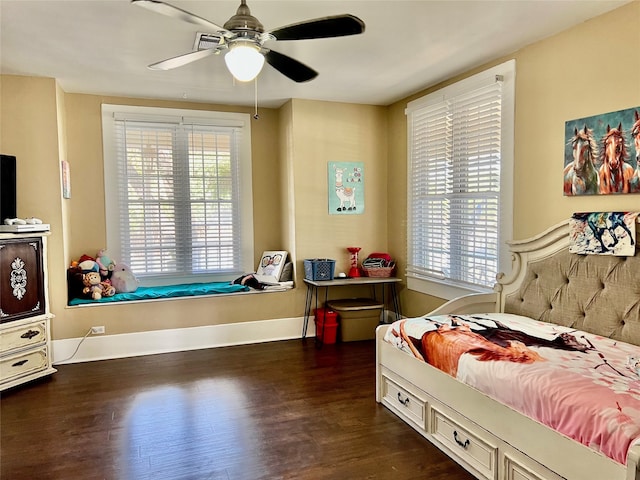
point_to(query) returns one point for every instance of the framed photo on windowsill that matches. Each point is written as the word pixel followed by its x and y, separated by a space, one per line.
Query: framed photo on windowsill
pixel 270 266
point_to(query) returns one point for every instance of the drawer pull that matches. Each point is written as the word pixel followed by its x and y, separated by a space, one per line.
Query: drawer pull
pixel 404 402
pixel 20 363
pixel 29 334
pixel 464 444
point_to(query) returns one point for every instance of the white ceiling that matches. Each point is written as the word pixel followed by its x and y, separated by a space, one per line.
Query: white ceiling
pixel 103 46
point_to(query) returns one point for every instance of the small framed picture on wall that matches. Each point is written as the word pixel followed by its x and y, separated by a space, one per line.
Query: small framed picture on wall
pixel 66 180
pixel 346 188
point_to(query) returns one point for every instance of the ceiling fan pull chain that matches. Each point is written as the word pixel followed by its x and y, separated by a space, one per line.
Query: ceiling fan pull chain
pixel 255 115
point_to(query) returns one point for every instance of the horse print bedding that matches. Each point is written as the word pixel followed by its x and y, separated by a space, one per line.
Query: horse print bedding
pixel 582 385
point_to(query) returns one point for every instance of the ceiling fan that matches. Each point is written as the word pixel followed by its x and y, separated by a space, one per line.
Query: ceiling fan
pixel 243 37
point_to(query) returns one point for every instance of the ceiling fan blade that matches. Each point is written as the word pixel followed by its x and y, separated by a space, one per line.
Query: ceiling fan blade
pixel 180 60
pixel 327 27
pixel 296 71
pixel 175 12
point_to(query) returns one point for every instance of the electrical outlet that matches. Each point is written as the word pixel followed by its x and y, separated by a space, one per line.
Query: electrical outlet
pixel 97 330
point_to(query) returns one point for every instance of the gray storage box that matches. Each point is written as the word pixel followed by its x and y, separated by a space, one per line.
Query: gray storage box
pixel 359 317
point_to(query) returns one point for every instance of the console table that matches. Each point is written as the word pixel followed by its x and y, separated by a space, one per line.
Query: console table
pixel 314 285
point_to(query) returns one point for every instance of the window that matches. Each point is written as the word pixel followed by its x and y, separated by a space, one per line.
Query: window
pixel 179 196
pixel 460 184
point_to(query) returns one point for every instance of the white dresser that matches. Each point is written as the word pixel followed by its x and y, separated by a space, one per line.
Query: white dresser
pixel 25 337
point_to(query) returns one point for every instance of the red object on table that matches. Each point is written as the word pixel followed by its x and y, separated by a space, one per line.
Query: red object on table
pixel 354 271
pixel 384 256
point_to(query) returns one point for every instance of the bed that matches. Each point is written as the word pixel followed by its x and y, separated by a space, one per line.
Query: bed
pixel 591 303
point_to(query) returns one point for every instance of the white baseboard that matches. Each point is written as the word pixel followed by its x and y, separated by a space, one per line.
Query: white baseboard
pixel 105 347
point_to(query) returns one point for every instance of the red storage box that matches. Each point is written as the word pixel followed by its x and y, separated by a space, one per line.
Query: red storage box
pixel 326 325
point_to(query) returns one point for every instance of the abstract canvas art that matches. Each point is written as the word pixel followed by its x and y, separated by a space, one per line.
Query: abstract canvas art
pixel 603 233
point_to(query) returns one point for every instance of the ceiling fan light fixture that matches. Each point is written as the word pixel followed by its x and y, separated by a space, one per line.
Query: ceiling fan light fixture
pixel 244 61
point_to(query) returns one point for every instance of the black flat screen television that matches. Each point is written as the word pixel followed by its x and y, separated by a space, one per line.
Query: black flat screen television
pixel 7 187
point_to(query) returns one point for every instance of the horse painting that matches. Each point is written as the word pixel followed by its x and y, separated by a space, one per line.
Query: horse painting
pixel 635 135
pixel 581 176
pixel 614 174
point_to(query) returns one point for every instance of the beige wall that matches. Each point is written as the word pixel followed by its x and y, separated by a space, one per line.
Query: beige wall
pixel 291 147
pixel 30 130
pixel 338 132
pixel 312 134
pixel 289 189
pixel 561 78
pixel 548 94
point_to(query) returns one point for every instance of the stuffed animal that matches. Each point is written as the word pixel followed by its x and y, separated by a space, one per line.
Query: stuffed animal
pixel 105 263
pixel 92 287
pixel 85 257
pixel 95 287
pixel 107 289
pixel 87 266
pixel 123 279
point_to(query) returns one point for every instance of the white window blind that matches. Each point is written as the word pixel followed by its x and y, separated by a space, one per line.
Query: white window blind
pixel 180 197
pixel 455 178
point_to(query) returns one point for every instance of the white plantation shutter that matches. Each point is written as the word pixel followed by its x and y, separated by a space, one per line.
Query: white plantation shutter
pixel 455 178
pixel 180 214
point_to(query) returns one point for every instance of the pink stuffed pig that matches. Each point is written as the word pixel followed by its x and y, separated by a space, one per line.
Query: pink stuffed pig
pixel 123 279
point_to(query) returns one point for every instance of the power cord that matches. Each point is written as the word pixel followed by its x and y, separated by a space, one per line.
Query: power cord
pixel 77 348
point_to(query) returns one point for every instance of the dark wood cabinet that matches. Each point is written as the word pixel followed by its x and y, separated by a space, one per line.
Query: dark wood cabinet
pixel 21 279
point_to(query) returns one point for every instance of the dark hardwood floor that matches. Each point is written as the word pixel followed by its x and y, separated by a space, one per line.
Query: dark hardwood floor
pixel 281 410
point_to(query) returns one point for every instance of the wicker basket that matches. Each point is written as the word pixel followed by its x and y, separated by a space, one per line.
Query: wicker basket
pixel 379 272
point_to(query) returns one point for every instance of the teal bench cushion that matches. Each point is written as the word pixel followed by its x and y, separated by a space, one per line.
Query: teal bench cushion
pixel 167 291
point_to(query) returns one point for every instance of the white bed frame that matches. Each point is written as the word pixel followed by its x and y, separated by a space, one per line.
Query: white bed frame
pixel 489 439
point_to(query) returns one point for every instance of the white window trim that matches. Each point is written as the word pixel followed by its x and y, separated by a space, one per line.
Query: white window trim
pixel 507 70
pixel 112 208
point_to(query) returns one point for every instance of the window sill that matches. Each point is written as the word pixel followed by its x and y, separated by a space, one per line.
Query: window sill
pixel 175 292
pixel 442 290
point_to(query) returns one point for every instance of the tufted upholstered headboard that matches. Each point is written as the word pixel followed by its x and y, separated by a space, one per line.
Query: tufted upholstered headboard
pixel 595 293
